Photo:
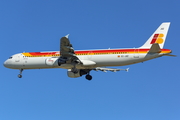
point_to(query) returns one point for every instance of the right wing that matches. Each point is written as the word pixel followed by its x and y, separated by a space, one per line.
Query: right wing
pixel 109 69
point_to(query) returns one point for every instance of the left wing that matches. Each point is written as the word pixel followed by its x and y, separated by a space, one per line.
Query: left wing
pixel 67 53
pixel 109 69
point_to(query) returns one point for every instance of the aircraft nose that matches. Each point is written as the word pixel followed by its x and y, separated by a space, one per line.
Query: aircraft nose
pixel 6 64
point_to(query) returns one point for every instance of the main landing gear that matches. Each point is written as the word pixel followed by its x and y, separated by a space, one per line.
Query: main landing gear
pixel 20 74
pixel 88 77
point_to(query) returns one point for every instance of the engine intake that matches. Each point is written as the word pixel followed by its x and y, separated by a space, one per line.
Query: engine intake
pixel 61 61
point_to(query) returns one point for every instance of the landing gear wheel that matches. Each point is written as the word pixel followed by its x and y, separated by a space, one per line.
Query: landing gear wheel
pixel 88 77
pixel 19 76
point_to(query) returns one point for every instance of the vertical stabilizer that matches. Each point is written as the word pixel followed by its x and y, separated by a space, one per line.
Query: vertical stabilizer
pixel 159 36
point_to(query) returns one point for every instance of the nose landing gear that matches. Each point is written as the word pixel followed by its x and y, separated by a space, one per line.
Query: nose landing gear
pixel 20 75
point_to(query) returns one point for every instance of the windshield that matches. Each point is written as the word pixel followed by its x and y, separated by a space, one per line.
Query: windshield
pixel 10 57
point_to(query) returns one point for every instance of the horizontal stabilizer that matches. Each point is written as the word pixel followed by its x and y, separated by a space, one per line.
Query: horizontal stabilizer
pixel 170 55
pixel 155 48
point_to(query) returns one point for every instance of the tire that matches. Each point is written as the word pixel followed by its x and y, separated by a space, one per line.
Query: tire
pixel 19 76
pixel 88 77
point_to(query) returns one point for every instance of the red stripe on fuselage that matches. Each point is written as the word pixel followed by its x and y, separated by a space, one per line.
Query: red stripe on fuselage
pixel 97 51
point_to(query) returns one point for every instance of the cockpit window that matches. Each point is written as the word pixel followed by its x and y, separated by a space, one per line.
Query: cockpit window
pixel 10 57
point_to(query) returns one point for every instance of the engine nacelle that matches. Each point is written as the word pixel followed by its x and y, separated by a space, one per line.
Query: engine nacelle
pixel 75 75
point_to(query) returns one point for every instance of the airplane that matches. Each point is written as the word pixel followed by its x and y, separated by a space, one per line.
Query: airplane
pixel 81 62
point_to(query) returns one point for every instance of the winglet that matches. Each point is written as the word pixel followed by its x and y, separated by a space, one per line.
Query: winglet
pixel 67 36
pixel 127 69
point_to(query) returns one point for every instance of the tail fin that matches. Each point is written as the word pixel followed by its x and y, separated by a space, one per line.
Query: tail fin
pixel 159 36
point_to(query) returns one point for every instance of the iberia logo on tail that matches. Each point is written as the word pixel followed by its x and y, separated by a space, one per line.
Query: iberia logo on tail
pixel 157 38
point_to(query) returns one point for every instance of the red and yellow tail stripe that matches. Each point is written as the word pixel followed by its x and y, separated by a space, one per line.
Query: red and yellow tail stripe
pixel 158 38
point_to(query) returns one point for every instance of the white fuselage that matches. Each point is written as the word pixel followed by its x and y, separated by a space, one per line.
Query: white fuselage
pixel 20 61
pixel 82 62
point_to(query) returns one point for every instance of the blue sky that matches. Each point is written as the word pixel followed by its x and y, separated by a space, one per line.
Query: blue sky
pixel 149 91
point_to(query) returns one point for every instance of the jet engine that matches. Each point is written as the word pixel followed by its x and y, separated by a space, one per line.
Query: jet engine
pixel 75 75
pixel 61 61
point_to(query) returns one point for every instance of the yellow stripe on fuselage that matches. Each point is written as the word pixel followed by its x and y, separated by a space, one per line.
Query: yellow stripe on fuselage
pixel 100 52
